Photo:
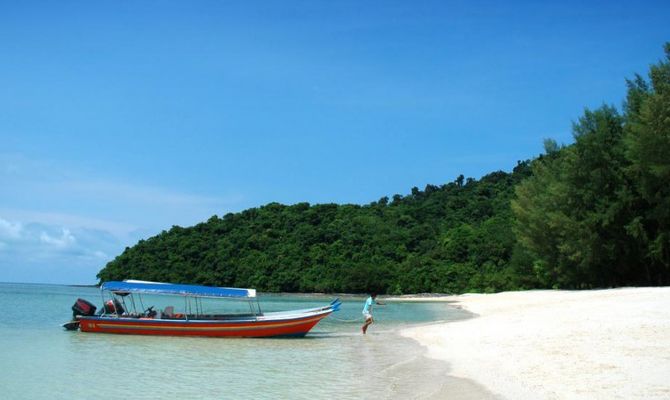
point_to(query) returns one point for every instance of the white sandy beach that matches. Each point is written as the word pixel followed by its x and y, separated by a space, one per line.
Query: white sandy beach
pixel 600 344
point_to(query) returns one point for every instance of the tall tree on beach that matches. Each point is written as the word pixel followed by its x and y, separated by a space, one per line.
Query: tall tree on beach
pixel 648 150
pixel 597 212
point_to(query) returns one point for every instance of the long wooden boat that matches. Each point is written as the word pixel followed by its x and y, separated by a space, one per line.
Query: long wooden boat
pixel 119 313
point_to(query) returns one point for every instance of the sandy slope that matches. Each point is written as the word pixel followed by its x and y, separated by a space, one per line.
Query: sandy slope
pixel 601 344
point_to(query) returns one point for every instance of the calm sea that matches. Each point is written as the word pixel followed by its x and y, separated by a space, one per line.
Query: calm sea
pixel 39 360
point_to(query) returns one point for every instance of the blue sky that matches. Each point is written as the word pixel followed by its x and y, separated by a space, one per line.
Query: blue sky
pixel 121 119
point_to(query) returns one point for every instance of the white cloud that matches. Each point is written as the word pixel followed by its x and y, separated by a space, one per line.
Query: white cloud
pixel 100 254
pixel 42 252
pixel 53 215
pixel 66 239
pixel 10 230
pixel 72 221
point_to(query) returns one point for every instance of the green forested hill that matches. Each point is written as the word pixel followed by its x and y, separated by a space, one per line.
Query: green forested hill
pixel 595 213
pixel 450 238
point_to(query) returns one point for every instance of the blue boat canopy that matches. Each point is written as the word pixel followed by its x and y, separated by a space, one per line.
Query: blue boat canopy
pixel 132 286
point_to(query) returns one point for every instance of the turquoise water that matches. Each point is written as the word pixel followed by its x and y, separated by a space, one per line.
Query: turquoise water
pixel 42 361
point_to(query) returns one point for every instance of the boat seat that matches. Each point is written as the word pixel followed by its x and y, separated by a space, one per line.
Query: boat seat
pixel 168 312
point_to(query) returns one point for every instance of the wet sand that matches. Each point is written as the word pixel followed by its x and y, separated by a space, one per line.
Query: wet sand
pixel 599 344
pixel 420 377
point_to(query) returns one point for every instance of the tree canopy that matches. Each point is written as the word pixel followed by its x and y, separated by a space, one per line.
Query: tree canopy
pixel 439 239
pixel 597 213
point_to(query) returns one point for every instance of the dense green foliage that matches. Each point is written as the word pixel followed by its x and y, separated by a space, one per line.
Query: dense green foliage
pixel 597 213
pixel 592 214
pixel 451 238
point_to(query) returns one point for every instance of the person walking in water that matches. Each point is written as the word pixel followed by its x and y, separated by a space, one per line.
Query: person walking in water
pixel 367 311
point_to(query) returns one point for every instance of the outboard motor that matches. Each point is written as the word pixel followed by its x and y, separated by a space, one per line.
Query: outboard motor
pixel 82 307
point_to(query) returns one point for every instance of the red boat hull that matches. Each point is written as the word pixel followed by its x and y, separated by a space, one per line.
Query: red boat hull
pixel 168 327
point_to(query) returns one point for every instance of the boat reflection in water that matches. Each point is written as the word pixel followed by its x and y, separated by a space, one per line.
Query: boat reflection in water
pixel 119 313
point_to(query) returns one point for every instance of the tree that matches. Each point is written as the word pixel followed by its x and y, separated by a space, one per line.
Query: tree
pixel 648 150
pixel 597 212
pixel 570 214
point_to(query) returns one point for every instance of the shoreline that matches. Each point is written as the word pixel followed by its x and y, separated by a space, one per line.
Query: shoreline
pixel 547 344
pixel 415 374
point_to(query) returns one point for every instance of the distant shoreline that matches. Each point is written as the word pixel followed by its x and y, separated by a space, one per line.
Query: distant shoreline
pixel 427 297
pixel 48 284
pixel 419 297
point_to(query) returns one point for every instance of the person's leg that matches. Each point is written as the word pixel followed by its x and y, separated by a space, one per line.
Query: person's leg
pixel 368 322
